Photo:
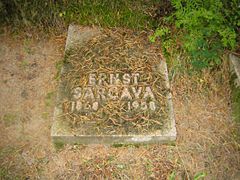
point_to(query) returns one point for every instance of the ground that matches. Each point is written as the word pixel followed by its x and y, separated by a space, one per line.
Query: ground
pixel 207 143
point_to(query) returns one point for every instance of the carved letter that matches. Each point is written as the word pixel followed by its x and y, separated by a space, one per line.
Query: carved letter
pixel 135 78
pixel 148 93
pixel 114 79
pixel 88 94
pixel 92 79
pixel 101 93
pixel 77 92
pixel 102 79
pixel 126 94
pixel 113 93
pixel 126 79
pixel 137 92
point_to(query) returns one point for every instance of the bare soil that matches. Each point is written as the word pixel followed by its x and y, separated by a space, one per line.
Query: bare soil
pixel 207 142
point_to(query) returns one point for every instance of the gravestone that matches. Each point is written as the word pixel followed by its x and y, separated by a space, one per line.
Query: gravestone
pixel 114 88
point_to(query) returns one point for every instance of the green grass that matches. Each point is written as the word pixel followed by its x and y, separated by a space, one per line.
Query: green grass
pixel 58 145
pixel 45 115
pixel 46 14
pixel 24 64
pixel 9 119
pixel 119 145
pixel 49 99
pixel 59 66
pixel 109 13
pixel 5 172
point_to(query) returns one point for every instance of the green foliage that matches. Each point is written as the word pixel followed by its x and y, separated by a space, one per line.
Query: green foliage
pixel 204 27
pixel 160 32
pixel 207 27
pixel 164 35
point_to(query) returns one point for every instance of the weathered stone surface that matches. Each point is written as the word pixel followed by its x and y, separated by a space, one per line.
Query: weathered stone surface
pixel 108 98
pixel 78 35
pixel 235 68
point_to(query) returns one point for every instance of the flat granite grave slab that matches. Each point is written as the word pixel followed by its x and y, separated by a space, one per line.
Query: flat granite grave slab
pixel 114 89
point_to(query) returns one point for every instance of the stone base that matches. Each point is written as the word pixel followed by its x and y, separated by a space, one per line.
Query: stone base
pixel 62 133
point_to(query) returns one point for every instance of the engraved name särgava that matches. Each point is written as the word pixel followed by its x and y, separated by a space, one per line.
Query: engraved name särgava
pixel 113 87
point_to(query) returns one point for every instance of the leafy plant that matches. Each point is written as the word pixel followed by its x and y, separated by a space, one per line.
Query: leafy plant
pixel 160 32
pixel 164 34
pixel 206 28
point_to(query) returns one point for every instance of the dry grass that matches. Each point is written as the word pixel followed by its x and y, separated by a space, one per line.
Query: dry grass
pixel 207 140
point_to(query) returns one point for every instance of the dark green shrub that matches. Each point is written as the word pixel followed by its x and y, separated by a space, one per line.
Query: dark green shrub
pixel 206 27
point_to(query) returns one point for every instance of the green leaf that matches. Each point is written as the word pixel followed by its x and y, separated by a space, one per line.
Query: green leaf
pixel 199 175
